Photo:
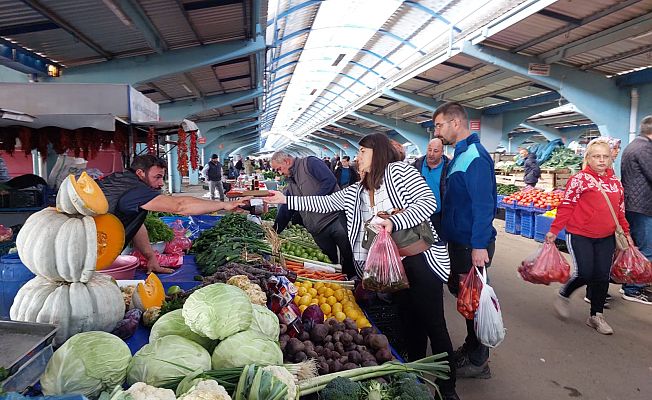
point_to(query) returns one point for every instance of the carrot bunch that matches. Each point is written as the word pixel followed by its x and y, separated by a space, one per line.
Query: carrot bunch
pixel 299 269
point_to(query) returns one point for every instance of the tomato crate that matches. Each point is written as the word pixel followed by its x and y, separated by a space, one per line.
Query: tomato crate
pixel 527 223
pixel 499 201
pixel 513 221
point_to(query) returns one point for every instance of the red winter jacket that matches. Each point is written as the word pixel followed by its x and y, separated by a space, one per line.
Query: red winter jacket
pixel 584 211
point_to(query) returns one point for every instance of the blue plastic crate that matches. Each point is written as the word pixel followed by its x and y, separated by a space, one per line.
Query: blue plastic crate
pixel 527 223
pixel 512 221
pixel 542 225
pixel 499 201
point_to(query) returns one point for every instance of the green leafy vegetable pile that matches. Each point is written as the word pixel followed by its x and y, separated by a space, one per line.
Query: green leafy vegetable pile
pixel 157 230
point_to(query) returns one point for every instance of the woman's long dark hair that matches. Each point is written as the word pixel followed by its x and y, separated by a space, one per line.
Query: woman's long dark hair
pixel 384 153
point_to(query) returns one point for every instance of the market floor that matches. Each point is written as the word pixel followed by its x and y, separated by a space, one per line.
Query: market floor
pixel 543 358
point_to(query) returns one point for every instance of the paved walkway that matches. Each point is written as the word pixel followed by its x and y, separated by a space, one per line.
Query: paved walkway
pixel 543 358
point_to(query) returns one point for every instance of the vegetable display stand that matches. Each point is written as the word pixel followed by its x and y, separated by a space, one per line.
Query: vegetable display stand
pixel 513 221
pixel 386 318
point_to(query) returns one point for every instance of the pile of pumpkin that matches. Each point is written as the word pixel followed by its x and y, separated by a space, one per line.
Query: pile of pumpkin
pixel 63 247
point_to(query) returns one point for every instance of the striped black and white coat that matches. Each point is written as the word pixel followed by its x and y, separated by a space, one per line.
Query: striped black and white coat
pixel 407 190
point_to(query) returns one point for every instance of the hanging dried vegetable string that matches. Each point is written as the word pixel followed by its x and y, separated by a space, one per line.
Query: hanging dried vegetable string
pixel 182 153
pixel 151 141
pixel 120 139
pixel 8 140
pixel 25 136
pixel 43 145
pixel 194 153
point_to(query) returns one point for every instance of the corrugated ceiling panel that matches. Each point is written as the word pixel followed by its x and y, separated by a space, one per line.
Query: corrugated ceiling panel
pixel 58 45
pixel 172 86
pixel 230 70
pixel 14 12
pixel 169 20
pixel 205 80
pixel 99 24
pixel 220 23
pixel 533 27
pixel 237 85
pixel 627 64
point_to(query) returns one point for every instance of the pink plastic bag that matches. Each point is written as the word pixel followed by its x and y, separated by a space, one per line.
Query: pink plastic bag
pixel 180 244
pixel 546 265
pixel 164 260
pixel 631 266
pixel 383 270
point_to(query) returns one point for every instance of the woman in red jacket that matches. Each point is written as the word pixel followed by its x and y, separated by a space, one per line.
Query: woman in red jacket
pixel 590 228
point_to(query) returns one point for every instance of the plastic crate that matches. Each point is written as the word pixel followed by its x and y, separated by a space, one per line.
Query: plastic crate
pixel 499 201
pixel 527 223
pixel 29 373
pixel 542 225
pixel 513 221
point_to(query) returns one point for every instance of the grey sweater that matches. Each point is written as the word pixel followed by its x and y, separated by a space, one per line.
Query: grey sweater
pixel 636 171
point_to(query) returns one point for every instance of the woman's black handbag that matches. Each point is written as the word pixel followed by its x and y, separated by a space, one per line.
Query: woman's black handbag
pixel 410 242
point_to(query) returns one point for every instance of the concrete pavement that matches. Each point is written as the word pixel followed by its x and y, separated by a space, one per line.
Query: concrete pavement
pixel 543 358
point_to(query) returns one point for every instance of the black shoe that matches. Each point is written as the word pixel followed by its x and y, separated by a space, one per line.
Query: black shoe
pixel 468 370
pixel 460 353
pixel 450 396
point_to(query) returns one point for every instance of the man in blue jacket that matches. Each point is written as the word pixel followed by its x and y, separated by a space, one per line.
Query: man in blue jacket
pixel 433 167
pixel 469 207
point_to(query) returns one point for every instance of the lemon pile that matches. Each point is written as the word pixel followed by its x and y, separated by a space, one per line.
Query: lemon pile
pixel 334 301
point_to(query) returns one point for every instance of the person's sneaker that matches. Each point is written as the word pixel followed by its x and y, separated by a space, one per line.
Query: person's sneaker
pixel 450 396
pixel 608 298
pixel 621 291
pixel 598 323
pixel 638 298
pixel 468 370
pixel 606 303
pixel 562 306
pixel 460 353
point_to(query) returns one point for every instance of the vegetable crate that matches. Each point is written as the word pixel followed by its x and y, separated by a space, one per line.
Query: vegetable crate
pixel 542 225
pixel 513 221
pixel 527 224
pixel 499 201
pixel 387 319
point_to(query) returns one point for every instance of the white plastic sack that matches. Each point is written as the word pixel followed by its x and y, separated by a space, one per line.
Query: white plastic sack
pixel 488 323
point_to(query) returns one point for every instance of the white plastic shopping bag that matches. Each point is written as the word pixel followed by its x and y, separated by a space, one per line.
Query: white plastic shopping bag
pixel 488 324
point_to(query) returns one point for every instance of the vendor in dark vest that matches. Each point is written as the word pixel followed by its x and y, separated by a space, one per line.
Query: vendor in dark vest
pixel 131 194
pixel 310 176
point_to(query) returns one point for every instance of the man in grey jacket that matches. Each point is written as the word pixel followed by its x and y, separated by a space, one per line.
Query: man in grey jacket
pixel 310 176
pixel 636 170
pixel 531 169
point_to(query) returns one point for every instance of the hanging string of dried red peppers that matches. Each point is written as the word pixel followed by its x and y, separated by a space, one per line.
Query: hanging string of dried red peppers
pixel 151 141
pixel 194 152
pixel 182 153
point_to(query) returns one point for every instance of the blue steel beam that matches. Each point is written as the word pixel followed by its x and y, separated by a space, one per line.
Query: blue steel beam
pixel 206 124
pixel 609 110
pixel 20 59
pixel 552 97
pixel 293 9
pixel 354 128
pixel 181 109
pixel 635 78
pixel 142 22
pixel 333 146
pixel 148 68
pixel 348 145
pixel 427 103
pixel 412 132
pixel 547 132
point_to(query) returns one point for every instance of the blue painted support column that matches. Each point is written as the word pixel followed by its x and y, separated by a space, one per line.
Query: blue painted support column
pixel 176 176
pixel 414 133
pixel 148 68
pixel 181 109
pixel 427 103
pixel 596 96
pixel 549 133
pixel 507 121
pixel 225 120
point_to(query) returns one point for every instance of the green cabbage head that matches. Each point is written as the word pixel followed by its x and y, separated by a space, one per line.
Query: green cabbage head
pixel 248 347
pixel 88 363
pixel 265 322
pixel 218 311
pixel 172 323
pixel 167 358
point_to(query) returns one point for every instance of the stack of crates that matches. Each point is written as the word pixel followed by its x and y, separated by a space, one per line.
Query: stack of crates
pixel 528 214
pixel 542 225
pixel 512 219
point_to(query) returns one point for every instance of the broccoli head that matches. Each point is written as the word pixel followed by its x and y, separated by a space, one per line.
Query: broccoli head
pixel 341 389
pixel 407 387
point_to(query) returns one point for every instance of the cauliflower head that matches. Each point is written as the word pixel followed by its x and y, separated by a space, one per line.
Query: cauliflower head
pixel 282 374
pixel 206 390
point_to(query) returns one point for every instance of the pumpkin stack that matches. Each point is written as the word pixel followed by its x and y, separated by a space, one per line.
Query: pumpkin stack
pixel 63 247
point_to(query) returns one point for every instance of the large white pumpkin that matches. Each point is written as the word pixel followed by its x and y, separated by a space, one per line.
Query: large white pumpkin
pixel 81 196
pixel 73 307
pixel 58 246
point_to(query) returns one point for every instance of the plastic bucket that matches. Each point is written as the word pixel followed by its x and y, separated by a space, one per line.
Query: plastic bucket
pixel 13 275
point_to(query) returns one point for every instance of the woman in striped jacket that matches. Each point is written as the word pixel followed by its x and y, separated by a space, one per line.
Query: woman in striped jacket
pixel 387 185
